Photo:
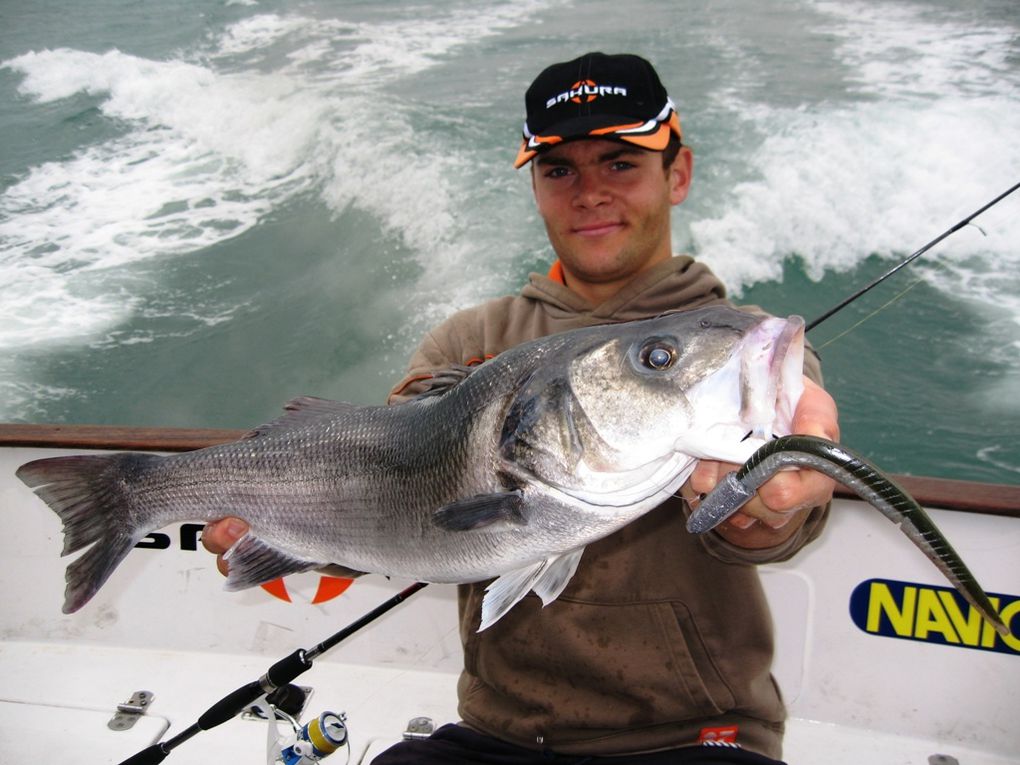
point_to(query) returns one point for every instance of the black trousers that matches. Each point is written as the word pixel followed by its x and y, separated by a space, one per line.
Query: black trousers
pixel 457 745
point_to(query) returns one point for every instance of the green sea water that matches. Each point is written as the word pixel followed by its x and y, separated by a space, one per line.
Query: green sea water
pixel 208 208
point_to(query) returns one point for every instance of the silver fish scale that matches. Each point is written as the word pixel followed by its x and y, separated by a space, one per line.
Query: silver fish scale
pixel 306 488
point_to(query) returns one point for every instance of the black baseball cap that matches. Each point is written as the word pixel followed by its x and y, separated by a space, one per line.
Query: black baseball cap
pixel 597 95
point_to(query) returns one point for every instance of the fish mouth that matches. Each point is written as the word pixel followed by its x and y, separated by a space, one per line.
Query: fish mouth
pixel 772 376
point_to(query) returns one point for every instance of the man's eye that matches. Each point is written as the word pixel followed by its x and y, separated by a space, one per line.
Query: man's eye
pixel 622 164
pixel 556 172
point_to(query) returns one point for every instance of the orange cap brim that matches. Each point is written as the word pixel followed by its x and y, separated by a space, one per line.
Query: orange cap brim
pixel 655 141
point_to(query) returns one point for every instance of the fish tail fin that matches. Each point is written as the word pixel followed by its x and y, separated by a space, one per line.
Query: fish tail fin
pixel 88 493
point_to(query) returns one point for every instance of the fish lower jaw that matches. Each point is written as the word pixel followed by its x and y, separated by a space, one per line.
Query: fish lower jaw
pixel 733 451
pixel 727 443
pixel 631 494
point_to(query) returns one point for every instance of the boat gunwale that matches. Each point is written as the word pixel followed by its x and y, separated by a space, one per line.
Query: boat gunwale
pixel 943 493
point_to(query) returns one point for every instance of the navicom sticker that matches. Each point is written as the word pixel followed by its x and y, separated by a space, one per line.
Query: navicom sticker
pixel 933 615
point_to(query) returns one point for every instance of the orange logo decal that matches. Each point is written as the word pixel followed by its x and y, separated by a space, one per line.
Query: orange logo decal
pixel 590 91
pixel 724 735
pixel 329 587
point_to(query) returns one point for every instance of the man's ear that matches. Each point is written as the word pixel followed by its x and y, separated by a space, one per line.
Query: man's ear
pixel 680 173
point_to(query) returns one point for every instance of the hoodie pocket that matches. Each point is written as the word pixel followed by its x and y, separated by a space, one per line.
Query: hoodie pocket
pixel 587 666
pixel 696 664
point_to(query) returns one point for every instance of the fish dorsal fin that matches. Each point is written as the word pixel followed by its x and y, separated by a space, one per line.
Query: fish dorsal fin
pixel 253 561
pixel 301 411
pixel 546 577
pixel 442 380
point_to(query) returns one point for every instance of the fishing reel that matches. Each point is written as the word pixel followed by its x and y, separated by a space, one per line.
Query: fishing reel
pixel 304 744
pixel 315 740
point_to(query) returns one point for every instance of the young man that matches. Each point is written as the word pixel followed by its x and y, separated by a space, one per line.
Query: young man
pixel 659 650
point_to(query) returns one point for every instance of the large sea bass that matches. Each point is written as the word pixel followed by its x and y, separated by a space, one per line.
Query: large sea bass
pixel 508 471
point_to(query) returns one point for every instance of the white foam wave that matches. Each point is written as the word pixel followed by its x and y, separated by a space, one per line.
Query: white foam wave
pixel 28 401
pixel 835 184
pixel 260 32
pixel 900 51
pixel 207 151
pixel 208 156
pixel 992 455
pixel 410 179
pixel 837 187
pixel 263 122
pixel 372 54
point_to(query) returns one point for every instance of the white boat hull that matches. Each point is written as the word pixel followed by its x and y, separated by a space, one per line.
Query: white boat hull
pixel 163 623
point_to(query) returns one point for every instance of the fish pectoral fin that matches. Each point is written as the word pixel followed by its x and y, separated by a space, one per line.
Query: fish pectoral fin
pixel 254 561
pixel 546 577
pixel 481 511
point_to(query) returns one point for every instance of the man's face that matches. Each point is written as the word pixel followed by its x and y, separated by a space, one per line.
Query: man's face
pixel 606 206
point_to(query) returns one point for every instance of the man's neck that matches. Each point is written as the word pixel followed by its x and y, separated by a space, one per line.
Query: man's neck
pixel 597 293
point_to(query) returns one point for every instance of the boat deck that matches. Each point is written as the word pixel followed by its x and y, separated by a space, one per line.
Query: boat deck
pixel 65 694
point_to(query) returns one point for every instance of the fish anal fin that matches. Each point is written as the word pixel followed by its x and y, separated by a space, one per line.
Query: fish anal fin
pixel 481 511
pixel 253 561
pixel 546 577
pixel 337 571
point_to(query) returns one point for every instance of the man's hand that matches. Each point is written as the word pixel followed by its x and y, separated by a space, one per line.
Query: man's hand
pixel 218 536
pixel 782 503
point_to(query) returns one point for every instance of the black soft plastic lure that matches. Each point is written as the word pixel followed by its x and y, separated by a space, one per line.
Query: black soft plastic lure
pixel 866 481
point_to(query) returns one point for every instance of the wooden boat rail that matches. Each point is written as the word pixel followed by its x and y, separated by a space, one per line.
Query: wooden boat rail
pixel 964 496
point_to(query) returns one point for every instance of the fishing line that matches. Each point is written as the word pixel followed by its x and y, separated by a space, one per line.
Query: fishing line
pixel 870 316
pixel 909 259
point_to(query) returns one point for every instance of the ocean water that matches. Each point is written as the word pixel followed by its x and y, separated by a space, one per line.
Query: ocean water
pixel 208 207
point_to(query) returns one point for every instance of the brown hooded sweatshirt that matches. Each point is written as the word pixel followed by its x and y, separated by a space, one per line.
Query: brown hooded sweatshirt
pixel 662 639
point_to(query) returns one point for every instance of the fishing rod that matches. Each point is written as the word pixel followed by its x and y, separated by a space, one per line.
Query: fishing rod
pixel 277 676
pixel 913 256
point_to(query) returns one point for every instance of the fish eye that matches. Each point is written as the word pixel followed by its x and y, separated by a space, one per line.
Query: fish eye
pixel 658 355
